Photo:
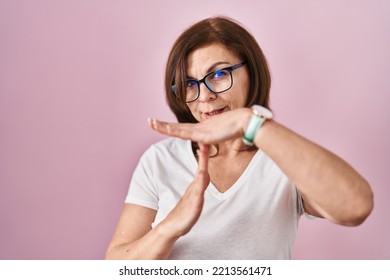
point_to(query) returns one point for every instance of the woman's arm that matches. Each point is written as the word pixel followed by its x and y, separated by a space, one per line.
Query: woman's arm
pixel 135 238
pixel 330 187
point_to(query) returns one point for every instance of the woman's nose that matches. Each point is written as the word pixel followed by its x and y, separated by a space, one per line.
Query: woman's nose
pixel 205 94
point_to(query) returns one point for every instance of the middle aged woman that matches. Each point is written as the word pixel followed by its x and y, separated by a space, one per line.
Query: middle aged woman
pixel 240 196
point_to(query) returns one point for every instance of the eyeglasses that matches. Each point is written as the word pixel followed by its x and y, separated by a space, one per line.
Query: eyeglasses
pixel 217 81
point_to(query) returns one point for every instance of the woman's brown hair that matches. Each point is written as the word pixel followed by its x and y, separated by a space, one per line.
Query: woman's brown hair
pixel 234 37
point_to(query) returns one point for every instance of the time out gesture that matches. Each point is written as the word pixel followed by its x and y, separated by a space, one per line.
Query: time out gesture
pixel 330 187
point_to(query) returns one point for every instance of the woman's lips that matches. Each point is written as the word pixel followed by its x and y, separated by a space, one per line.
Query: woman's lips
pixel 214 113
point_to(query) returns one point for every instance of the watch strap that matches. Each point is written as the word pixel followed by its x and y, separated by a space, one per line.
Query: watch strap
pixel 260 115
pixel 254 125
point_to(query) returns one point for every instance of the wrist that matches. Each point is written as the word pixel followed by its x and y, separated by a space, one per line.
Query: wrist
pixel 247 117
pixel 265 130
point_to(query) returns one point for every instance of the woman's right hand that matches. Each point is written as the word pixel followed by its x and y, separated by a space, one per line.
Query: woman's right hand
pixel 187 211
pixel 134 236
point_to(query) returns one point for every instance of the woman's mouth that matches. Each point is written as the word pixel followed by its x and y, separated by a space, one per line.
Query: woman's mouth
pixel 214 113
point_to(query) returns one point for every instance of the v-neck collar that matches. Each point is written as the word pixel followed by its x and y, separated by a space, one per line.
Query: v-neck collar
pixel 236 185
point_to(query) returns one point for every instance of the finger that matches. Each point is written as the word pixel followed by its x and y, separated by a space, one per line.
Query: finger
pixel 202 178
pixel 203 157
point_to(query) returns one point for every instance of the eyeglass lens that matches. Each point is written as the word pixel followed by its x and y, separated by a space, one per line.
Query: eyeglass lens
pixel 218 81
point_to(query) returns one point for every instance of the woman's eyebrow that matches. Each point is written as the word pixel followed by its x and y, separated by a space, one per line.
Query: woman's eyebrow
pixel 214 66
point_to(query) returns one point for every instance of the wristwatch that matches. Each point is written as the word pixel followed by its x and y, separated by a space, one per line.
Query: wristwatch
pixel 260 115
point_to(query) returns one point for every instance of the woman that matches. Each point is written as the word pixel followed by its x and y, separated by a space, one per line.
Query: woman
pixel 232 183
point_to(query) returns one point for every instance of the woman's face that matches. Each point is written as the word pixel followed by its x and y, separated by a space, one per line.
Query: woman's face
pixel 205 60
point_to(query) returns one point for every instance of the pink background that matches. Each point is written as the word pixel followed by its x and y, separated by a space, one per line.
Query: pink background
pixel 78 80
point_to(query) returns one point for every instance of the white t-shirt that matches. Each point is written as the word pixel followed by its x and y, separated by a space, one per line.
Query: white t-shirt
pixel 256 218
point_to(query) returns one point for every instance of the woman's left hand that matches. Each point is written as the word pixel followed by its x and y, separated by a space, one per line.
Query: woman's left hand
pixel 226 126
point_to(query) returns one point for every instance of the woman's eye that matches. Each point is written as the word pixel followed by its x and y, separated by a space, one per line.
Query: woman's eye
pixel 191 84
pixel 219 75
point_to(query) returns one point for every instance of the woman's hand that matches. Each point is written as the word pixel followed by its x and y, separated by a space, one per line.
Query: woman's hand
pixel 226 126
pixel 187 211
pixel 135 238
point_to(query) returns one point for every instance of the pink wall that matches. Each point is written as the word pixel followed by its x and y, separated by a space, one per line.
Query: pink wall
pixel 78 80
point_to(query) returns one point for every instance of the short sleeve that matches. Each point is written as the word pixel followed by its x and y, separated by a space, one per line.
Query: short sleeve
pixel 301 209
pixel 142 188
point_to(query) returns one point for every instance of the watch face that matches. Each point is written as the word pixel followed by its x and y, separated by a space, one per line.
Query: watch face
pixel 262 111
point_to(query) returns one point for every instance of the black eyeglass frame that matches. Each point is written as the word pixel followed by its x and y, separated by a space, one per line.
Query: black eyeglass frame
pixel 198 82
